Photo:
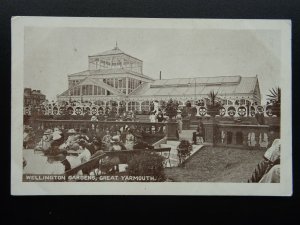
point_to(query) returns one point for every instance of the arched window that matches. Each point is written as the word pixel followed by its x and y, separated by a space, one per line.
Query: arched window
pixel 242 102
pixel 145 106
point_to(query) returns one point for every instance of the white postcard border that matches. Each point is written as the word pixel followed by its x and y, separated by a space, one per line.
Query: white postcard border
pixel 167 188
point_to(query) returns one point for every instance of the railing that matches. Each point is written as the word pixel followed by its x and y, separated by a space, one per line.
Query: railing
pixel 201 111
pixel 166 129
pixel 245 136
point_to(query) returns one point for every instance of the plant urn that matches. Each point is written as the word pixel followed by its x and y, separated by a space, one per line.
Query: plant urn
pixel 213 111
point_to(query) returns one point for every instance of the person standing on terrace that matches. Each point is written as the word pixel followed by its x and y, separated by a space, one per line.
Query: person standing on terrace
pixel 152 117
pixel 259 116
pixel 198 136
pixel 160 116
pixel 179 121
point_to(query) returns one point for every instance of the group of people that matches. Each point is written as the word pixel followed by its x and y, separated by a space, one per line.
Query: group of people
pixel 56 145
pixel 54 141
pixel 160 116
pixel 157 116
pixel 28 137
pixel 103 115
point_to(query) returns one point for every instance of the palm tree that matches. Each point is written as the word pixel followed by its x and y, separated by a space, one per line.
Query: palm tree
pixel 275 99
pixel 275 95
pixel 213 98
pixel 214 106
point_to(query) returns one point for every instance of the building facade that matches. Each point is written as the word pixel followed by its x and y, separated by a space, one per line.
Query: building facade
pixel 116 78
pixel 33 98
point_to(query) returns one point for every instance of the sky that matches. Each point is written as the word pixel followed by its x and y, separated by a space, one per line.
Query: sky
pixel 50 54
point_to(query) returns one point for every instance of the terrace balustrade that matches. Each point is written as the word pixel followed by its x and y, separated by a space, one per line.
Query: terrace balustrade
pixel 249 136
pixel 168 129
pixel 201 111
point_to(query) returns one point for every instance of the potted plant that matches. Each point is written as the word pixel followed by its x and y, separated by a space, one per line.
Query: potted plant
pixel 184 150
pixel 213 106
pixel 275 100
pixel 188 104
pixel 171 109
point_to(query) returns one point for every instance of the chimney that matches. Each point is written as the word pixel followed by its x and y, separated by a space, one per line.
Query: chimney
pixel 160 75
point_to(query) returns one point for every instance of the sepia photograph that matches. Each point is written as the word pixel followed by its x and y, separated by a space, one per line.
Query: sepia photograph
pixel 151 106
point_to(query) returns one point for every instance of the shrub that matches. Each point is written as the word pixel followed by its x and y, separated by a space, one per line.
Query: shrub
pixel 184 150
pixel 147 164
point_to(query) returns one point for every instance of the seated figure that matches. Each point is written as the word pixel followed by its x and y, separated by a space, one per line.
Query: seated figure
pixel 71 142
pixel 58 139
pixel 129 140
pixel 266 171
pixel 28 137
pixel 273 176
pixel 45 142
pixel 198 135
pixel 106 140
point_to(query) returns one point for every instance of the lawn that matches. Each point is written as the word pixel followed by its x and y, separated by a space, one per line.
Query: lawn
pixel 217 164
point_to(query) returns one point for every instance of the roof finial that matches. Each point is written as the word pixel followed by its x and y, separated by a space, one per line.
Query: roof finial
pixel 116 45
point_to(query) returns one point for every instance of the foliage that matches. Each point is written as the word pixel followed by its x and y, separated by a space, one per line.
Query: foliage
pixel 213 105
pixel 200 102
pixel 184 149
pixel 147 164
pixel 184 112
pixel 275 99
pixel 213 98
pixel 275 95
pixel 184 144
pixel 188 104
pixel 171 109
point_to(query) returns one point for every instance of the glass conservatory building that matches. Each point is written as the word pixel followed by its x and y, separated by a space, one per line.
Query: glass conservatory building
pixel 114 77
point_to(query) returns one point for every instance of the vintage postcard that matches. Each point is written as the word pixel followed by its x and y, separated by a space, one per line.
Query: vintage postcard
pixel 132 106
